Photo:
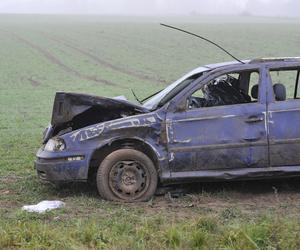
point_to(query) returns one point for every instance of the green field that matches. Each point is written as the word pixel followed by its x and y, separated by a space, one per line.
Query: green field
pixel 40 55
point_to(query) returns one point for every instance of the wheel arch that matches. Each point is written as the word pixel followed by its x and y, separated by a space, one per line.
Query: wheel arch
pixel 139 144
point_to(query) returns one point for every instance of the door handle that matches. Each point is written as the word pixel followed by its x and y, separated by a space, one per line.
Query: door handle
pixel 253 119
pixel 251 139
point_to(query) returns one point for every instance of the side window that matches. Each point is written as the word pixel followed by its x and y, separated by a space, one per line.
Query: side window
pixel 228 89
pixel 285 84
pixel 253 86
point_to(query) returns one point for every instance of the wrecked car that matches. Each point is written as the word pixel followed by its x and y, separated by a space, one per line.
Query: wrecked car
pixel 227 121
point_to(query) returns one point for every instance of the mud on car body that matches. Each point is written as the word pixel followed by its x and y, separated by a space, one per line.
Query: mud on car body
pixel 224 121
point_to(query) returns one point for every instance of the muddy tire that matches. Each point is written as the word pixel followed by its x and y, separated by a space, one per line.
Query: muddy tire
pixel 127 175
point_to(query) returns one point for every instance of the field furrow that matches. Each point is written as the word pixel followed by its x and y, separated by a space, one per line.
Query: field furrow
pixel 59 63
pixel 101 61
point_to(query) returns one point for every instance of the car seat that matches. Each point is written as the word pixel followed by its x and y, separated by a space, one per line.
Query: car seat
pixel 279 92
pixel 254 92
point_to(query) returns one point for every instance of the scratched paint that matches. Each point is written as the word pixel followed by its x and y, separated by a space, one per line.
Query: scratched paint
pixel 87 133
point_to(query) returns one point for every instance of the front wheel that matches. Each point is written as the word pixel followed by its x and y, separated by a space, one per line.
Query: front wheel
pixel 127 175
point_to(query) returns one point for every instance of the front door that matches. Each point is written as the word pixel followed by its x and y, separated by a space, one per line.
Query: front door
pixel 219 137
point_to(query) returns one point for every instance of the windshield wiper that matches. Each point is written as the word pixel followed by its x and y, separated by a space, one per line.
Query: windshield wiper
pixel 148 97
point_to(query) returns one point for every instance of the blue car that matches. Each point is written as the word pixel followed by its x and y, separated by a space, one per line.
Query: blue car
pixel 228 121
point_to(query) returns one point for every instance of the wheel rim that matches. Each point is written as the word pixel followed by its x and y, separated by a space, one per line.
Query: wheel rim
pixel 128 179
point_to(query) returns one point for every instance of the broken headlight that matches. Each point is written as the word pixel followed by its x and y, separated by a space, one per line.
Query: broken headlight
pixel 55 144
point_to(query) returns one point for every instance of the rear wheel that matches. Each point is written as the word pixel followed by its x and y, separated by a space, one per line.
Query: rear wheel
pixel 127 175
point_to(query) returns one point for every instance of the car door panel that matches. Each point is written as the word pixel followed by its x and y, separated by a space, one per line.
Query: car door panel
pixel 284 133
pixel 223 137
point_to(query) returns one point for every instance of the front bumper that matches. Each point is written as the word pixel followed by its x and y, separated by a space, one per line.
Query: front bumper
pixel 53 167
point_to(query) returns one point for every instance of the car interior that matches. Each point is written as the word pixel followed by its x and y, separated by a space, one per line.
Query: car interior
pixel 242 87
pixel 228 89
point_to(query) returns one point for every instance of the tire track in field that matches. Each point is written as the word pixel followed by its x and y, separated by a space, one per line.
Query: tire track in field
pixel 59 63
pixel 34 82
pixel 103 62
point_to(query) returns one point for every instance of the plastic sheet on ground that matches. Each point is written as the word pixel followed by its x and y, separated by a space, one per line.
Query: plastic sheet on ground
pixel 43 206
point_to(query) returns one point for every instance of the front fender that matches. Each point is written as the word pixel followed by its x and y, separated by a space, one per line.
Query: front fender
pixel 145 128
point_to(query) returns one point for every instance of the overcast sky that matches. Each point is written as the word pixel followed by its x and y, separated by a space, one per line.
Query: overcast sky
pixel 153 7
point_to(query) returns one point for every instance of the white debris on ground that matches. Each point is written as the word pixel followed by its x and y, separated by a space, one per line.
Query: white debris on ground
pixel 43 206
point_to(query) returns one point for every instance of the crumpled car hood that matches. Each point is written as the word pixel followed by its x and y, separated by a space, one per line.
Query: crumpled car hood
pixel 72 111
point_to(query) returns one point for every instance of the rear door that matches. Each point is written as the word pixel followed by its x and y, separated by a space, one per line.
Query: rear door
pixel 284 118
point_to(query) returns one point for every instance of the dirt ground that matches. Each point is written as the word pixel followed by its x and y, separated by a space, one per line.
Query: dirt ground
pixel 247 197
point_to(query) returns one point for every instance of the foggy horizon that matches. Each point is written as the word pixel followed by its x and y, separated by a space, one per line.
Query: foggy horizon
pixel 268 8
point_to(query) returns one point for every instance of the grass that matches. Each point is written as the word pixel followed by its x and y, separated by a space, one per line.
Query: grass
pixel 107 56
pixel 51 231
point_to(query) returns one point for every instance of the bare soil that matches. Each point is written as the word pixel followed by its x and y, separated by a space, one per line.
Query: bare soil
pixel 247 198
